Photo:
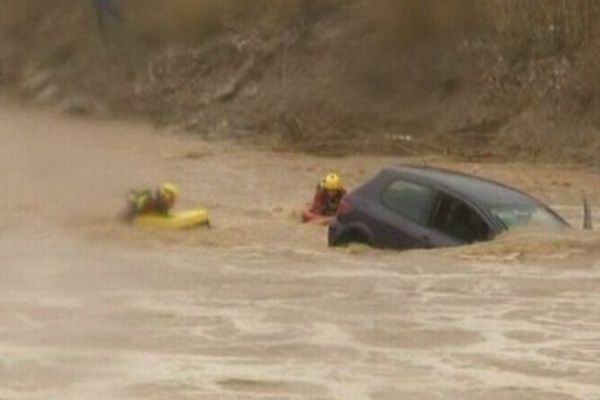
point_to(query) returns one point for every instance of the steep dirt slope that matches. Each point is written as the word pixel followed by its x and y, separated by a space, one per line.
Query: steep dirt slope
pixel 326 76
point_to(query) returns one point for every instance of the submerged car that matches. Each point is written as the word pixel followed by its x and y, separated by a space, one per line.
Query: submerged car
pixel 408 207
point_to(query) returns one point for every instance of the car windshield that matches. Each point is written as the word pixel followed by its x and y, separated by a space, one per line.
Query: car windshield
pixel 526 216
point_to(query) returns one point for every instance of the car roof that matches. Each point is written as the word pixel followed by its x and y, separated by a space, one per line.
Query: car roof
pixel 487 192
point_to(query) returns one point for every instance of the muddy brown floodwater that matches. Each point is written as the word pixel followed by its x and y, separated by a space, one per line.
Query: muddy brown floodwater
pixel 258 307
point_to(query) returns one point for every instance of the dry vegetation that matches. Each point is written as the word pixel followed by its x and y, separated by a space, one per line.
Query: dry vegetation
pixel 192 21
pixel 520 77
pixel 537 24
pixel 557 23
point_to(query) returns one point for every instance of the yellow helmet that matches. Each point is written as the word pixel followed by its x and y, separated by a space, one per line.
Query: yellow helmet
pixel 332 181
pixel 169 189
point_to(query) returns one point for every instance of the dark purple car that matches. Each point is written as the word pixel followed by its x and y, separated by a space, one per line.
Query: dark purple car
pixel 407 207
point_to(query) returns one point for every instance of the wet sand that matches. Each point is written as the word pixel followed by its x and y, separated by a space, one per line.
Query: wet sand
pixel 258 307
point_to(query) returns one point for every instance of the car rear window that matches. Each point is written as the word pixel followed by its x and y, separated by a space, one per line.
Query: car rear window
pixel 412 201
pixel 532 216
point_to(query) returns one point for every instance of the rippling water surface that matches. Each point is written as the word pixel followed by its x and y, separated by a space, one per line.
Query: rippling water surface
pixel 258 307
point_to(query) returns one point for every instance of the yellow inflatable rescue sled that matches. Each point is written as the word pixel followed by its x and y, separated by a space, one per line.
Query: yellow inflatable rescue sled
pixel 173 221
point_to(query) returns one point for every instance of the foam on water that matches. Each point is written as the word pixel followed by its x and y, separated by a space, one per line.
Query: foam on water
pixel 258 307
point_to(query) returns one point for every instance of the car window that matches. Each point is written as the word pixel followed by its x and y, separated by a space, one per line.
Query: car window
pixel 517 216
pixel 412 201
pixel 455 218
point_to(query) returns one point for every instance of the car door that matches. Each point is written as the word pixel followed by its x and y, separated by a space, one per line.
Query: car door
pixel 404 216
pixel 459 221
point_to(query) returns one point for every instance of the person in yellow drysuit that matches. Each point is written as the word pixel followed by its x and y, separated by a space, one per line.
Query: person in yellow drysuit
pixel 148 202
